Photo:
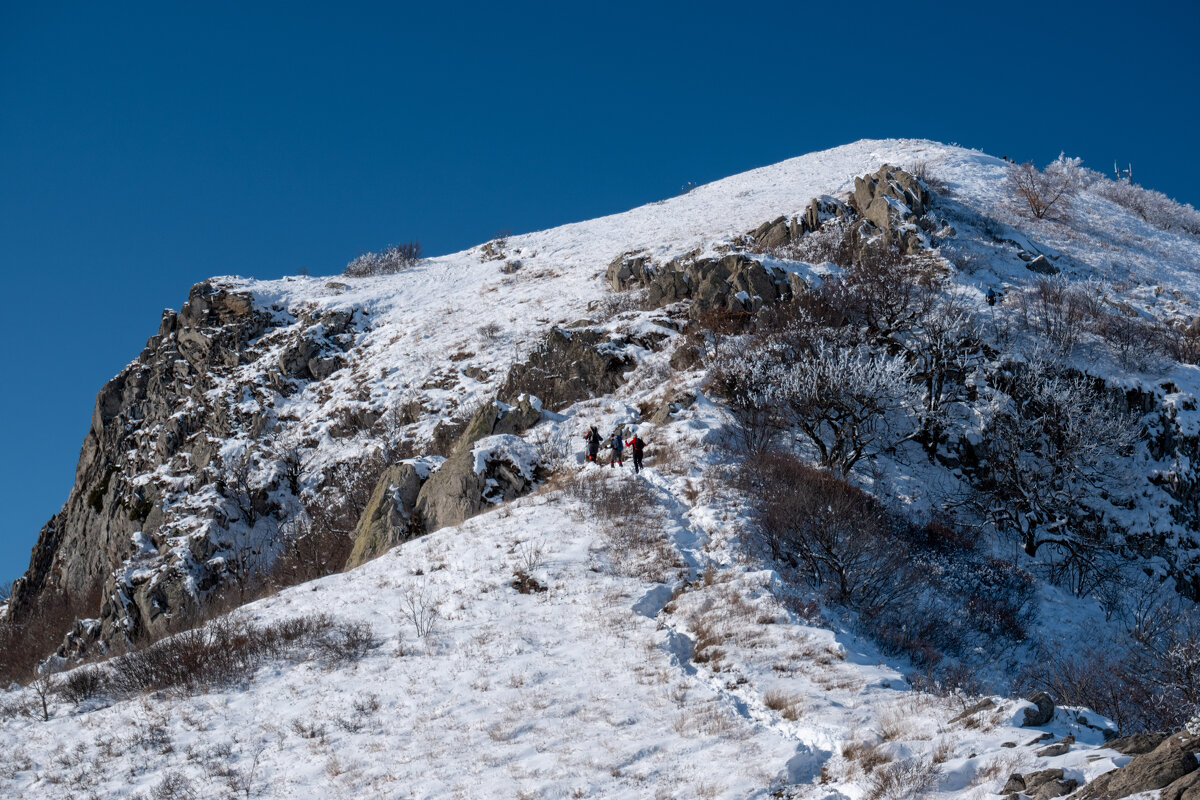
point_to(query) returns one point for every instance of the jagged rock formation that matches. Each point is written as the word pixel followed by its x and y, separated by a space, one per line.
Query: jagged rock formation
pixel 1171 767
pixel 891 200
pixel 158 416
pixel 570 365
pixel 734 283
pixel 389 517
pixel 495 469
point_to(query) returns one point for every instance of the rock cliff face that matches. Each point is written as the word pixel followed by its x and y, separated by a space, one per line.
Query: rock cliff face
pixel 155 439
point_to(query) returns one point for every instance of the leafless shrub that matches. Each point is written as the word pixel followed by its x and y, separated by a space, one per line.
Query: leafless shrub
pixel 419 606
pixel 1050 192
pixel 229 650
pixel 396 258
pixel 490 332
pixel 83 684
pixel 1136 343
pixel 44 686
pixel 903 780
pixel 174 786
pixel 835 534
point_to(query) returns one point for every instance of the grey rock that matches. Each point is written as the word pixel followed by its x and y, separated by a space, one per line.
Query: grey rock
pixel 1055 788
pixel 1015 783
pixel 388 518
pixel 1136 744
pixel 1040 715
pixel 496 418
pixel 456 492
pixel 1167 763
pixel 1057 749
pixel 1042 266
pixel 1185 788
pixel 570 365
pixel 1035 779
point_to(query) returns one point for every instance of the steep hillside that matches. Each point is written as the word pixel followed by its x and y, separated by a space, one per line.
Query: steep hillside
pixel 1002 408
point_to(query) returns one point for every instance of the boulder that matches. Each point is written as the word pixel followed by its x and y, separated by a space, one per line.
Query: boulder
pixel 495 417
pixel 1170 761
pixel 495 469
pixel 1042 266
pixel 388 518
pixel 1040 715
pixel 1054 788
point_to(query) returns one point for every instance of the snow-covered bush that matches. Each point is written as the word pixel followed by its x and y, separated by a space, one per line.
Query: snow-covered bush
pixel 1053 446
pixel 1154 207
pixel 395 258
pixel 849 402
pixel 1049 192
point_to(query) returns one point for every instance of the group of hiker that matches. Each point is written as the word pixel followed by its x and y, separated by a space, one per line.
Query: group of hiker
pixel 616 444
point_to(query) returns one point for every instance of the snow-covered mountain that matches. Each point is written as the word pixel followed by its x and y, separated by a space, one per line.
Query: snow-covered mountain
pixel 519 622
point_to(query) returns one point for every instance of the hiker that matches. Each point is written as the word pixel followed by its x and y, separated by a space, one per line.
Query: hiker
pixel 992 294
pixel 592 437
pixel 617 444
pixel 638 446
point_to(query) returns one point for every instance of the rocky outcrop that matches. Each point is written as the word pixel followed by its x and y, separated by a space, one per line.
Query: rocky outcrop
pixel 154 411
pixel 494 470
pixel 781 231
pixel 494 418
pixel 734 283
pixel 1171 766
pixel 390 517
pixel 570 365
pixel 892 200
pixel 136 553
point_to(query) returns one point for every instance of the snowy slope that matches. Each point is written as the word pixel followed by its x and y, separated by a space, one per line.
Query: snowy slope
pixel 591 688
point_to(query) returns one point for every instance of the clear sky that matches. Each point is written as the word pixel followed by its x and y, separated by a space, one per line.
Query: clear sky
pixel 146 146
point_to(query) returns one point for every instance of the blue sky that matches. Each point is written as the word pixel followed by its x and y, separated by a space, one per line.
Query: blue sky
pixel 146 146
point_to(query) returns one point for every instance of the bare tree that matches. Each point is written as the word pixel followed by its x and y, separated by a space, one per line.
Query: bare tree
pixel 44 685
pixel 1051 190
pixel 849 402
pixel 237 483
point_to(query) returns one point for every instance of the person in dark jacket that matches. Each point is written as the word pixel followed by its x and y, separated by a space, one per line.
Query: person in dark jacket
pixel 618 449
pixel 592 437
pixel 637 446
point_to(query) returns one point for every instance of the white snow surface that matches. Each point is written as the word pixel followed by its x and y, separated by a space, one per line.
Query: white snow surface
pixel 591 688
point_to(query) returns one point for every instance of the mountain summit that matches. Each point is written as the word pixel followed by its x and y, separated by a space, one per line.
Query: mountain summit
pixel 921 433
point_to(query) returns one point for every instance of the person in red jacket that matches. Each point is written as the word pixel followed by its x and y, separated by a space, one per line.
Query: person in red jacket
pixel 637 446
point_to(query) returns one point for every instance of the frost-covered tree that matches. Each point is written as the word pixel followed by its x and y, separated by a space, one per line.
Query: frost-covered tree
pixel 849 402
pixel 1054 447
pixel 1048 192
pixel 943 346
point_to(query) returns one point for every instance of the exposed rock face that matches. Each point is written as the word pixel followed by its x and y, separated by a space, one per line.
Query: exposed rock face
pixel 495 469
pixel 495 417
pixel 570 365
pixel 158 415
pixel 891 200
pixel 782 231
pixel 1167 765
pixel 389 517
pixel 734 283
